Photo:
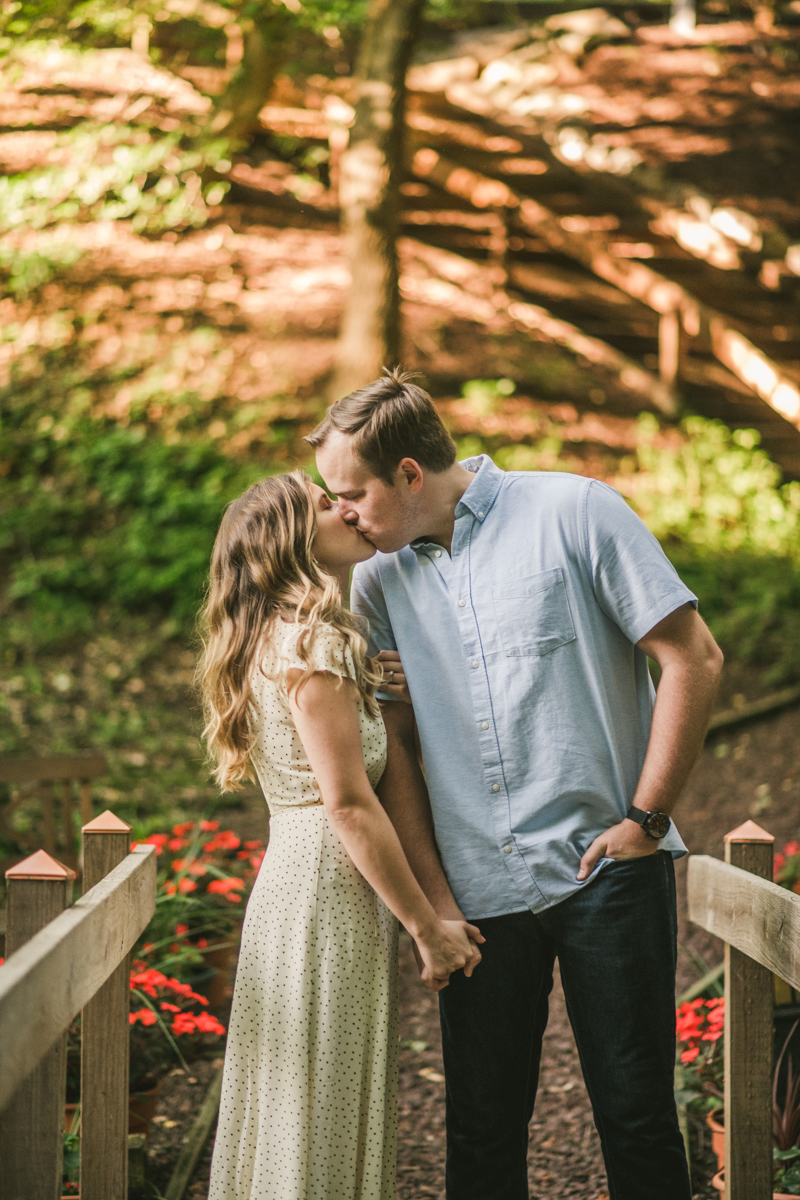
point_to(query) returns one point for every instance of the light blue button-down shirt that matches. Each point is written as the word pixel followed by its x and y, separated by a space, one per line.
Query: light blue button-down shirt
pixel 532 701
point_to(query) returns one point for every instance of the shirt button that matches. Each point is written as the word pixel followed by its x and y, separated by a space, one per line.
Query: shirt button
pixel 480 514
pixel 495 787
pixel 484 724
pixel 507 849
pixel 475 663
pixel 437 554
pixel 461 603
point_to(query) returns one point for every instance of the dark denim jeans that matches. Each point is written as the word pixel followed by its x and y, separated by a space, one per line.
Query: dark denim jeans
pixel 615 941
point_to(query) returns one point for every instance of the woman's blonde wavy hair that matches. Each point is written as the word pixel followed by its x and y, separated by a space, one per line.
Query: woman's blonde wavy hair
pixel 262 571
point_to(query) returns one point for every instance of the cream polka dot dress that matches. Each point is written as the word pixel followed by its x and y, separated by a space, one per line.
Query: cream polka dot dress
pixel 309 1093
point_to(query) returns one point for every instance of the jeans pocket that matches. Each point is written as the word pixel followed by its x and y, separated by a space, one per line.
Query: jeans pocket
pixel 533 614
pixel 642 862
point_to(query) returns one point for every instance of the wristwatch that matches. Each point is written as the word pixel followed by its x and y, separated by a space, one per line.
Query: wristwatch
pixel 655 824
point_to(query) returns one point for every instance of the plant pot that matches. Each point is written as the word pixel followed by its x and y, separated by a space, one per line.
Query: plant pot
pixel 719 1183
pixel 714 1123
pixel 217 987
pixel 142 1109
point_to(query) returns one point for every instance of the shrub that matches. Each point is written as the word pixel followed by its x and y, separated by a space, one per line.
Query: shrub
pixel 99 516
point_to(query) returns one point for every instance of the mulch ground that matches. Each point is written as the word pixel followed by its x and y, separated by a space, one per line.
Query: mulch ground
pixel 748 773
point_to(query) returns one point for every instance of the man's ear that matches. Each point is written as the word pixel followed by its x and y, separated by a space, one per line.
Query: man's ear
pixel 410 474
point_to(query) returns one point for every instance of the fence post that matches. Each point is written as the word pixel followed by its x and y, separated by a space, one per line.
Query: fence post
pixel 748 1043
pixel 105 1045
pixel 32 1123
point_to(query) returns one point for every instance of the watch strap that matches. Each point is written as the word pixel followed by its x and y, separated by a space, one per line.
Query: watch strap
pixel 641 817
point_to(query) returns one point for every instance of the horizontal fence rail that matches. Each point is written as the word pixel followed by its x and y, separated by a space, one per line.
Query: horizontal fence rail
pixel 754 915
pixel 54 975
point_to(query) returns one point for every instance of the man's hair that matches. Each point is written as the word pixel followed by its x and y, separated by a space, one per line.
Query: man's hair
pixel 388 420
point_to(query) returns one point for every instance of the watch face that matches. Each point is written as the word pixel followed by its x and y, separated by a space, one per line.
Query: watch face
pixel 657 824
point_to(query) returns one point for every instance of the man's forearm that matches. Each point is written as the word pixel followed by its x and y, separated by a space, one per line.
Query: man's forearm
pixel 690 662
pixel 685 697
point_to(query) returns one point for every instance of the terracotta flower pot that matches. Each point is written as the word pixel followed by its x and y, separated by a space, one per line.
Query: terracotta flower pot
pixel 719 1183
pixel 714 1123
pixel 142 1109
pixel 220 959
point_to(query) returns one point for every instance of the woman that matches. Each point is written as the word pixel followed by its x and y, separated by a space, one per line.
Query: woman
pixel 309 1089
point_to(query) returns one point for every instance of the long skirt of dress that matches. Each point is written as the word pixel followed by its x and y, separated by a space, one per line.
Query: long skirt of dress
pixel 309 1093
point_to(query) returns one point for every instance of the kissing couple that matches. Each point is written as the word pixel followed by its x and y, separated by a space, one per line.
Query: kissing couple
pixel 473 749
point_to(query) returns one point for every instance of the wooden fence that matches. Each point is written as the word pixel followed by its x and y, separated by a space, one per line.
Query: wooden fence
pixel 51 783
pixel 760 925
pixel 63 959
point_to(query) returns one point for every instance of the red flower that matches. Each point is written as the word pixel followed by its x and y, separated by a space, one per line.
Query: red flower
pixel 209 826
pixel 182 830
pixel 181 929
pixel 222 887
pixel 242 853
pixel 148 980
pixel 226 840
pixel 169 1007
pixel 145 1015
pixel 177 843
pixel 183 989
pixel 191 865
pixel 202 943
pixel 158 840
pixel 253 845
pixel 205 1023
pixel 791 848
pixel 690 1055
pixel 256 860
pixel 183 1023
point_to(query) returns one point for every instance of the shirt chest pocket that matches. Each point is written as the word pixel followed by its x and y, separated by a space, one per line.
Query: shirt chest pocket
pixel 533 614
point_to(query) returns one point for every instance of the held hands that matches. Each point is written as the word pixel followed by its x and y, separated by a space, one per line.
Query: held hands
pixel 626 840
pixel 394 679
pixel 447 947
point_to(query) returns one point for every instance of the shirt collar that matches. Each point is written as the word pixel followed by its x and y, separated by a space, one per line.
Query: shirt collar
pixel 477 499
pixel 482 492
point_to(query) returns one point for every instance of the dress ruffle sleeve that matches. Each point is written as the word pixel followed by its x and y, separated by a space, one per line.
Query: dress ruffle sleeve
pixel 325 651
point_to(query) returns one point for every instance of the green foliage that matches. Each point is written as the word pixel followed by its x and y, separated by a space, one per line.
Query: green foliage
pixel 715 501
pixel 27 270
pixel 786 1165
pixel 715 491
pixel 98 515
pixel 72 1162
pixel 115 172
pixel 107 22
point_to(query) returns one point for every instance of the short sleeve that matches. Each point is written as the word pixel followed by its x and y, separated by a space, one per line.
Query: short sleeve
pixel 634 582
pixel 326 651
pixel 367 599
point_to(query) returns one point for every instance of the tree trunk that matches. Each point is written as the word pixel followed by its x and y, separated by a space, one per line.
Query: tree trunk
pixel 371 173
pixel 266 46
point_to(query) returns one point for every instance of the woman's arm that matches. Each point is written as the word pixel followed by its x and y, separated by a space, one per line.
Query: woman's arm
pixel 326 716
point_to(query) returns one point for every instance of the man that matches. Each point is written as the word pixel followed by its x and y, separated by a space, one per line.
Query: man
pixel 523 606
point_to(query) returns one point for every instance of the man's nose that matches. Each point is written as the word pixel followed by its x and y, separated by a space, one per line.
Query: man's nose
pixel 348 514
